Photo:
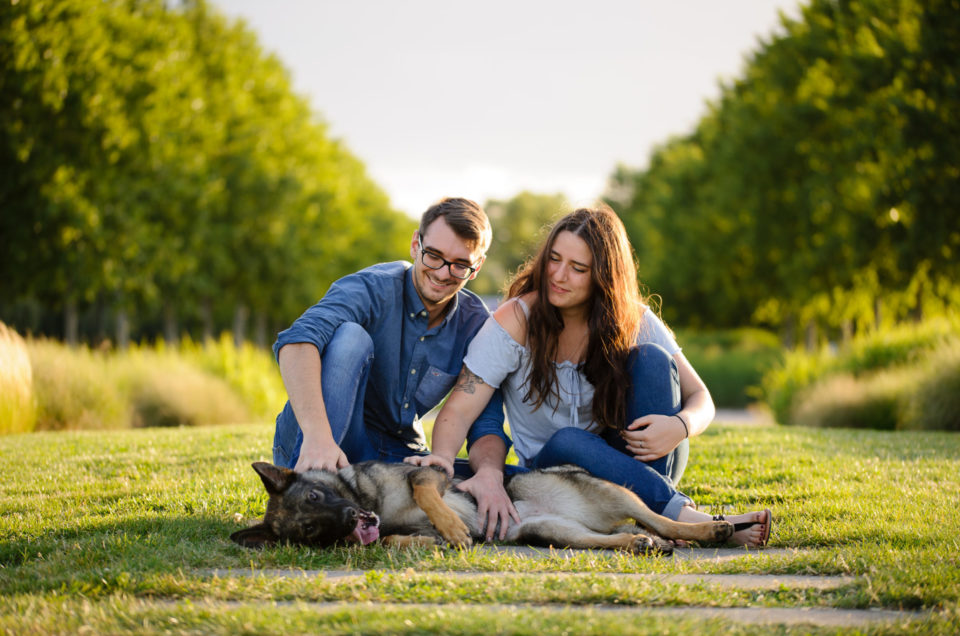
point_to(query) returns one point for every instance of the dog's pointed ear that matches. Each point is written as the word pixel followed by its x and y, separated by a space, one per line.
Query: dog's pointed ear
pixel 255 536
pixel 275 479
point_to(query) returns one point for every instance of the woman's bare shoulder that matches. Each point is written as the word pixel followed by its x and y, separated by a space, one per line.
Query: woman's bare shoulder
pixel 512 318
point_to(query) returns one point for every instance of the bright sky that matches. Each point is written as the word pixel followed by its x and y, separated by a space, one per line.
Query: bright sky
pixel 486 99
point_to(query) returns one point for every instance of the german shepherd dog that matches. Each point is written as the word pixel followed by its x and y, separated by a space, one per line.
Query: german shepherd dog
pixel 405 505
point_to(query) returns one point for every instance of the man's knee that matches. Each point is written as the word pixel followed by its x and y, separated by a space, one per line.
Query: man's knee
pixel 349 342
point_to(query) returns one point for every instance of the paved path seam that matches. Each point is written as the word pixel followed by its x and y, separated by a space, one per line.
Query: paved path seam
pixel 738 581
pixel 814 616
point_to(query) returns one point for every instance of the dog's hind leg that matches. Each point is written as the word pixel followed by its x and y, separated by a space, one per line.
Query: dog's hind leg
pixel 565 533
pixel 428 485
pixel 624 502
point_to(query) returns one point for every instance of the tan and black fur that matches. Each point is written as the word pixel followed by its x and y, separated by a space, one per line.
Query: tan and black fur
pixel 409 505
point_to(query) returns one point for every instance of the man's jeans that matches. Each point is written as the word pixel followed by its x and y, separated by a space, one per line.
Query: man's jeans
pixel 345 368
pixel 655 390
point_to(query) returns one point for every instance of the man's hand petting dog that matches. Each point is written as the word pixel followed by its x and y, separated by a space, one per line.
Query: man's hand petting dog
pixel 319 456
pixel 494 508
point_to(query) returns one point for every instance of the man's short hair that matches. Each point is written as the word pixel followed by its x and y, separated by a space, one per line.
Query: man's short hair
pixel 465 217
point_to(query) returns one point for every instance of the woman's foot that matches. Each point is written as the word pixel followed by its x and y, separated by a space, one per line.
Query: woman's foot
pixel 751 529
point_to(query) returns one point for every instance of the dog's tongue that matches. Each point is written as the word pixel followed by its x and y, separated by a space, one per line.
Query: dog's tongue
pixel 366 532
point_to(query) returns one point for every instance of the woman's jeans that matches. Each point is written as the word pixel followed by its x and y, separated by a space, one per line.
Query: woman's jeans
pixel 655 389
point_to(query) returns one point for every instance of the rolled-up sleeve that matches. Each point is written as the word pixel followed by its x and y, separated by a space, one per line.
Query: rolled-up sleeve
pixel 353 298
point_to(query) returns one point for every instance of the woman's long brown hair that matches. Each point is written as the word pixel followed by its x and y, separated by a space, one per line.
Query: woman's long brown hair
pixel 614 315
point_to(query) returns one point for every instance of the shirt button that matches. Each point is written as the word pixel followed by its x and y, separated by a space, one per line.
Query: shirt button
pixel 406 405
pixel 412 315
pixel 423 313
pixel 421 338
pixel 413 371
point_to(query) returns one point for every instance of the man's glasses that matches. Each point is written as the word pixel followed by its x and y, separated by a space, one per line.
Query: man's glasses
pixel 433 261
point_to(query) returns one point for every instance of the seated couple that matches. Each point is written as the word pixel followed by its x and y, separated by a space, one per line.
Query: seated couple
pixel 588 373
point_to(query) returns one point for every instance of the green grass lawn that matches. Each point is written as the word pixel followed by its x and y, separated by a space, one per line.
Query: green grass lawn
pixel 118 531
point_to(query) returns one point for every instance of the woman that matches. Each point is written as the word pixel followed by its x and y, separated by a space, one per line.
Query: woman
pixel 589 374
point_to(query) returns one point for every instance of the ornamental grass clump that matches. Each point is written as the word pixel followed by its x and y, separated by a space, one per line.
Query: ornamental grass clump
pixel 75 388
pixel 18 411
pixel 934 403
pixel 164 390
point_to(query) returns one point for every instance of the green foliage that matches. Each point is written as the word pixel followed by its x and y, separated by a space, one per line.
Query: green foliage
pixel 879 380
pixel 519 225
pixel 18 412
pixel 821 187
pixel 158 159
pixel 731 362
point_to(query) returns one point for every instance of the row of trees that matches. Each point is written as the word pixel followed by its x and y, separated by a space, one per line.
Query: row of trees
pixel 156 161
pixel 823 187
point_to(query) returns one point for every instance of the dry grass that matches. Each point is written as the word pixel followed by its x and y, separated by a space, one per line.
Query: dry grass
pixel 75 388
pixel 166 391
pixel 18 411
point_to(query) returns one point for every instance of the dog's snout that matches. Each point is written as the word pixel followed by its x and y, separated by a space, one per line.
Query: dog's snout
pixel 350 515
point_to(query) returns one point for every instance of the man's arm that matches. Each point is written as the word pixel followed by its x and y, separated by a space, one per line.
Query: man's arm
pixel 300 369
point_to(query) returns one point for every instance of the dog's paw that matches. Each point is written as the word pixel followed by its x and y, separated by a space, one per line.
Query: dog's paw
pixel 722 530
pixel 644 544
pixel 455 533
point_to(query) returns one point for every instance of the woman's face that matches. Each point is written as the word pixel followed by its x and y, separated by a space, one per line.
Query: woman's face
pixel 569 278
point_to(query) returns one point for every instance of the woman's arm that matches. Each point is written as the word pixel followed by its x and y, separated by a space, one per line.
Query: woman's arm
pixel 466 402
pixel 697 408
pixel 653 436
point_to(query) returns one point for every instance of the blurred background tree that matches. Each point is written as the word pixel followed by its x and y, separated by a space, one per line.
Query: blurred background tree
pixel 161 177
pixel 820 193
pixel 519 224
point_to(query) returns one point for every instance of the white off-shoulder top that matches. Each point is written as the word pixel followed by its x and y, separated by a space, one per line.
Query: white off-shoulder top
pixel 504 363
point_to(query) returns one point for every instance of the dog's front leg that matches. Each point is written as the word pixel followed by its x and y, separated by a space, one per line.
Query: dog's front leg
pixel 428 485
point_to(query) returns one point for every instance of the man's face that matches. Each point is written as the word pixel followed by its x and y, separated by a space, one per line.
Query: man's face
pixel 437 286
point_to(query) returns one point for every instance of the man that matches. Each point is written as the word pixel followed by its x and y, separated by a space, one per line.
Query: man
pixel 383 347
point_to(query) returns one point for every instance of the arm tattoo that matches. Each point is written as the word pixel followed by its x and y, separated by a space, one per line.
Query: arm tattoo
pixel 468 381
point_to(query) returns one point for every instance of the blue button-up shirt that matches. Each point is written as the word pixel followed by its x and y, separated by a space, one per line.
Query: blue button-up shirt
pixel 413 367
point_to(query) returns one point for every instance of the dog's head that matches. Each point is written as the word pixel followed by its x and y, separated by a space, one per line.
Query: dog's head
pixel 305 508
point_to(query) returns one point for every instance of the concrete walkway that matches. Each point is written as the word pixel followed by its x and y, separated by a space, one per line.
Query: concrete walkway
pixel 813 616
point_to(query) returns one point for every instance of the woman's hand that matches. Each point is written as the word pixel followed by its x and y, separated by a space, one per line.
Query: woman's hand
pixel 431 460
pixel 652 436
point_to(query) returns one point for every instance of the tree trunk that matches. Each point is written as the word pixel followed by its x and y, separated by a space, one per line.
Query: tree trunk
pixel 71 323
pixel 240 315
pixel 171 332
pixel 123 329
pixel 206 316
pixel 260 330
pixel 787 335
pixel 810 339
pixel 877 313
pixel 846 329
